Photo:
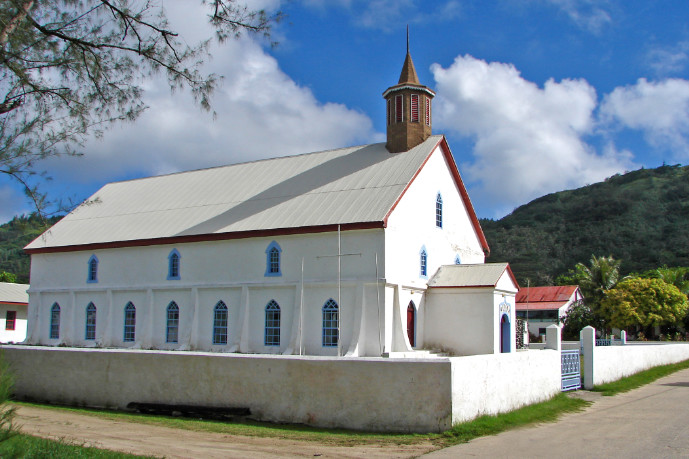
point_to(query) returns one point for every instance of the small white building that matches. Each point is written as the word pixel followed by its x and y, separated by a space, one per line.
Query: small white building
pixel 340 252
pixel 14 301
pixel 543 306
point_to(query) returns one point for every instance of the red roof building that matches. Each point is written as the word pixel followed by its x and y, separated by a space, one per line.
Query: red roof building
pixel 543 306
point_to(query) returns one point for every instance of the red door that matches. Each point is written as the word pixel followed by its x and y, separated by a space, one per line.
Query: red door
pixel 411 313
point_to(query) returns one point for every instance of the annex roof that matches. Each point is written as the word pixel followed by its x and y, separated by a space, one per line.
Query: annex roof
pixel 471 275
pixel 13 293
pixel 356 187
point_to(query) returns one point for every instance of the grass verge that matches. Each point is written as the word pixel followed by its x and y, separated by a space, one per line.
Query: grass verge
pixel 29 447
pixel 639 379
pixel 546 411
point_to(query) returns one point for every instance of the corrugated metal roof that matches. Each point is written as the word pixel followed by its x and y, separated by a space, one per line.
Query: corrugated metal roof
pixel 13 293
pixel 541 306
pixel 344 186
pixel 557 293
pixel 470 275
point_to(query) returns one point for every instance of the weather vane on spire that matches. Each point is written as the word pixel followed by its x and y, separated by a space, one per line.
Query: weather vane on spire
pixel 407 38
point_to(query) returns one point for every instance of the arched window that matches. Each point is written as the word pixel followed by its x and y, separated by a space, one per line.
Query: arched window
pixel 423 262
pixel 220 323
pixel 172 327
pixel 272 333
pixel 439 211
pixel 273 259
pixel 458 261
pixel 330 323
pixel 90 322
pixel 173 265
pixel 92 275
pixel 129 322
pixel 55 321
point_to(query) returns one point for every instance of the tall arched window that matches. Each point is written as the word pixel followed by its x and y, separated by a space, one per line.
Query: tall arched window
pixel 172 325
pixel 220 323
pixel 92 275
pixel 272 333
pixel 129 322
pixel 173 265
pixel 439 211
pixel 273 259
pixel 458 261
pixel 55 321
pixel 90 322
pixel 330 323
pixel 423 262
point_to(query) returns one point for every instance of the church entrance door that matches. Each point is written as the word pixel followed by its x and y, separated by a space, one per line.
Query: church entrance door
pixel 411 320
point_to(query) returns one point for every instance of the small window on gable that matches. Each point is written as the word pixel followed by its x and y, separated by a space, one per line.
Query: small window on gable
pixel 273 253
pixel 10 320
pixel 458 261
pixel 423 262
pixel 55 321
pixel 414 108
pixel 173 267
pixel 90 322
pixel 129 322
pixel 92 275
pixel 389 112
pixel 428 111
pixel 272 331
pixel 172 324
pixel 399 109
pixel 220 323
pixel 439 211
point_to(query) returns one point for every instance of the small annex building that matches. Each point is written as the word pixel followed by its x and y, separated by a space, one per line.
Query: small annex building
pixel 14 302
pixel 373 250
pixel 543 306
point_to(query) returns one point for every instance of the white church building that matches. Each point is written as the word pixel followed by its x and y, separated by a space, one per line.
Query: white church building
pixel 372 250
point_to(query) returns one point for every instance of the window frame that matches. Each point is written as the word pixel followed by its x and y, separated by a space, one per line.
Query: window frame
pixel 220 331
pixel 399 108
pixel 55 321
pixel 271 333
pixel 11 320
pixel 129 335
pixel 439 211
pixel 174 265
pixel 414 113
pixel 90 322
pixel 330 336
pixel 172 323
pixel 458 260
pixel 92 275
pixel 428 111
pixel 273 260
pixel 423 263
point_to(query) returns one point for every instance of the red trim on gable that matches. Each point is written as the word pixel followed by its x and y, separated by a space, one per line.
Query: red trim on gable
pixel 208 237
pixel 445 148
pixel 514 279
pixel 14 303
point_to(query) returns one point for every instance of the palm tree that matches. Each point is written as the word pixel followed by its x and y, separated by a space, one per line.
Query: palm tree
pixel 602 274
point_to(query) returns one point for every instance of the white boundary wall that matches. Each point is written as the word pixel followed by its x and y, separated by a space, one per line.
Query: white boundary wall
pixel 374 394
pixel 611 363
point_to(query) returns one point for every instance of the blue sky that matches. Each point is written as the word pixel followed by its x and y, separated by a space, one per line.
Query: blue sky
pixel 534 96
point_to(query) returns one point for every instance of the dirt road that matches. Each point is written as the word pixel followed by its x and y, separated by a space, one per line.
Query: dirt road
pixel 178 443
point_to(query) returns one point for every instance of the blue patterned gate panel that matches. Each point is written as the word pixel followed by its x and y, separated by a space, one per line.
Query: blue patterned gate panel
pixel 571 370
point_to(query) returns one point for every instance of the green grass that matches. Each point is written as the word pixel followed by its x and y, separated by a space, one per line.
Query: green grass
pixel 547 411
pixel 486 425
pixel 28 447
pixel 639 379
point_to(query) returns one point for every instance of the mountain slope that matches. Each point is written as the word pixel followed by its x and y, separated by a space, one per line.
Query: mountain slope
pixel 641 217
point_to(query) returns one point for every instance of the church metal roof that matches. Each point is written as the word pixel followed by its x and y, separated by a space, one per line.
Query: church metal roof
pixel 355 187
pixel 470 275
pixel 13 293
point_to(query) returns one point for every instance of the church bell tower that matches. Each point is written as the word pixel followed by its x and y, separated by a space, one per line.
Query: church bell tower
pixel 408 109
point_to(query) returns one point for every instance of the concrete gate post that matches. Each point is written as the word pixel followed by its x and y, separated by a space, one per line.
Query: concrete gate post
pixel 553 339
pixel 623 337
pixel 588 342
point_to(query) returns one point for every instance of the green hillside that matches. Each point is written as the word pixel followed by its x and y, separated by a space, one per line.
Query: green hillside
pixel 641 218
pixel 14 236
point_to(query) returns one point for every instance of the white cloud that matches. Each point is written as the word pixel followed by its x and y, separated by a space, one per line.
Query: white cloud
pixel 587 14
pixel 261 113
pixel 669 60
pixel 528 140
pixel 659 109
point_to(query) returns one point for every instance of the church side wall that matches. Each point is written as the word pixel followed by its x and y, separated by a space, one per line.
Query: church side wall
pixel 233 272
pixel 363 394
